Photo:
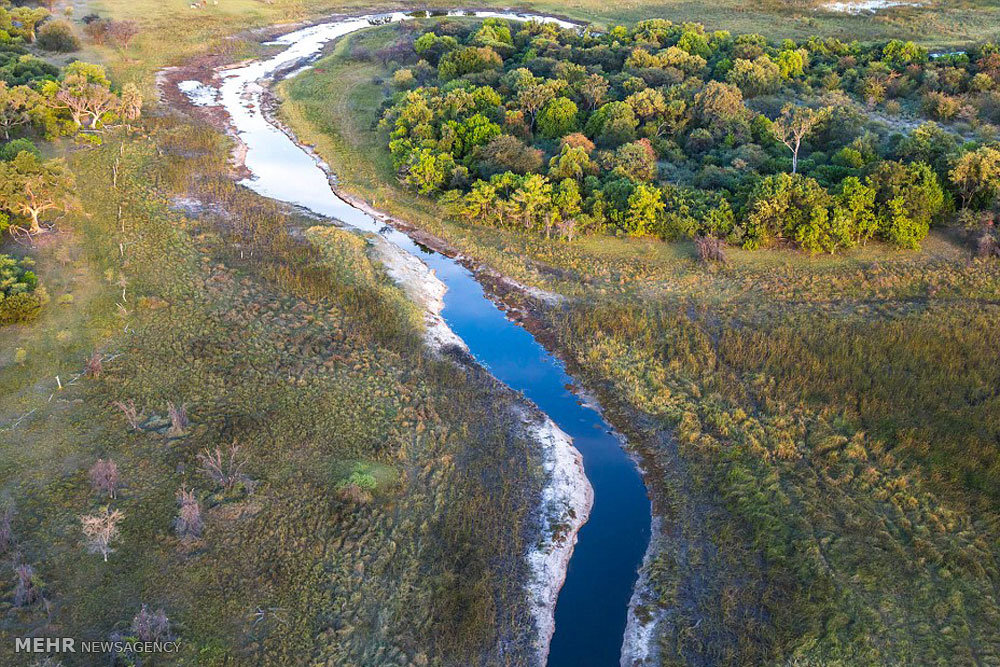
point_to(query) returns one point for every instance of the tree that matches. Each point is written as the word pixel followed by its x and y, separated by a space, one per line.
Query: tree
pixel 100 530
pixel 793 125
pixel 27 19
pixel 759 77
pixel 613 124
pixel 18 107
pixel 645 209
pixel 426 170
pixel 188 522
pixel 572 162
pixel 226 470
pixel 720 105
pixel 58 36
pixel 30 187
pixel 976 176
pixel 130 102
pixel 104 477
pixel 636 161
pixel 533 199
pixel 507 153
pixel 593 89
pixel 150 626
pixel 557 118
pixel 531 99
pixel 121 33
pixel 468 60
pixel 907 199
pixel 658 115
pixel 566 198
pixel 791 207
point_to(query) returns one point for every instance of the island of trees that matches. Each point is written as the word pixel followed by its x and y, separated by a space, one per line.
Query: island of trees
pixel 673 131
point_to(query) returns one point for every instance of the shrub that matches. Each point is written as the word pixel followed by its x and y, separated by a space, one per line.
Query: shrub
pixel 10 149
pixel 21 299
pixel 58 36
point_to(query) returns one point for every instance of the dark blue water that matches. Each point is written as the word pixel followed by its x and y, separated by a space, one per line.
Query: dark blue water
pixel 591 612
pixel 592 606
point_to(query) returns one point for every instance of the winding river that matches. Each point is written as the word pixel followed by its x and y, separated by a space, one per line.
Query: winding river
pixel 590 615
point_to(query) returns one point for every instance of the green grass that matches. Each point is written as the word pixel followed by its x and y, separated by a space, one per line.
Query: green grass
pixel 819 431
pixel 309 358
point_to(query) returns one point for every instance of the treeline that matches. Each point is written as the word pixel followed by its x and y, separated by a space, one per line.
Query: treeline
pixel 672 131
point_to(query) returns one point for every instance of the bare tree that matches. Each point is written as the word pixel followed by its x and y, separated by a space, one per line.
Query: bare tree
pixel 226 470
pixel 95 365
pixel 710 249
pixel 178 418
pixel 131 414
pixel 121 33
pixel 28 589
pixel 6 528
pixel 100 530
pixel 151 626
pixel 104 477
pixel 793 125
pixel 188 523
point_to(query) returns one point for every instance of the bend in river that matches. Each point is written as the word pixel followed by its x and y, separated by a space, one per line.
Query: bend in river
pixel 591 612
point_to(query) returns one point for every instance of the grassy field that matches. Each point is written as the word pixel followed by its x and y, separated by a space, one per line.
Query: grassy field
pixel 832 418
pixel 306 356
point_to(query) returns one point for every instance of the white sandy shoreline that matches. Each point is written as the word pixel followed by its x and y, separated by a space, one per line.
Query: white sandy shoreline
pixel 567 496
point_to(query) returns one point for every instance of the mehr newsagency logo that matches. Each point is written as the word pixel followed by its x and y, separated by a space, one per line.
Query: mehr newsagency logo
pixel 71 645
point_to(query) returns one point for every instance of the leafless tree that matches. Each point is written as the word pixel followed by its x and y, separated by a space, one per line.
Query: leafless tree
pixel 96 29
pixel 131 414
pixel 95 365
pixel 27 590
pixel 178 418
pixel 104 477
pixel 710 249
pixel 188 523
pixel 6 528
pixel 121 33
pixel 100 530
pixel 151 626
pixel 226 470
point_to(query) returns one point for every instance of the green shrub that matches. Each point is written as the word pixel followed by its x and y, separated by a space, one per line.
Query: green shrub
pixel 10 149
pixel 20 297
pixel 58 36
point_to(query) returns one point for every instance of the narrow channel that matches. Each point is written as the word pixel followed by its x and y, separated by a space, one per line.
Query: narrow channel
pixel 591 611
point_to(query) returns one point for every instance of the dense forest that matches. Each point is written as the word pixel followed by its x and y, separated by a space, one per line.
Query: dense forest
pixel 672 131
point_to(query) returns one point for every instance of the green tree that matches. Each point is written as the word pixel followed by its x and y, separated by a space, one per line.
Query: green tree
pixel 533 200
pixel 30 187
pixel 976 176
pixel 557 118
pixel 572 162
pixel 907 199
pixel 645 210
pixel 613 124
pixel 790 207
pixel 468 60
pixel 426 170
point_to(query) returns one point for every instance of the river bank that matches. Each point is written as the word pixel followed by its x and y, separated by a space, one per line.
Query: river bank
pixel 567 496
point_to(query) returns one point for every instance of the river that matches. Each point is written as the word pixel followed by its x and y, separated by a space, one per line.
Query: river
pixel 590 615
